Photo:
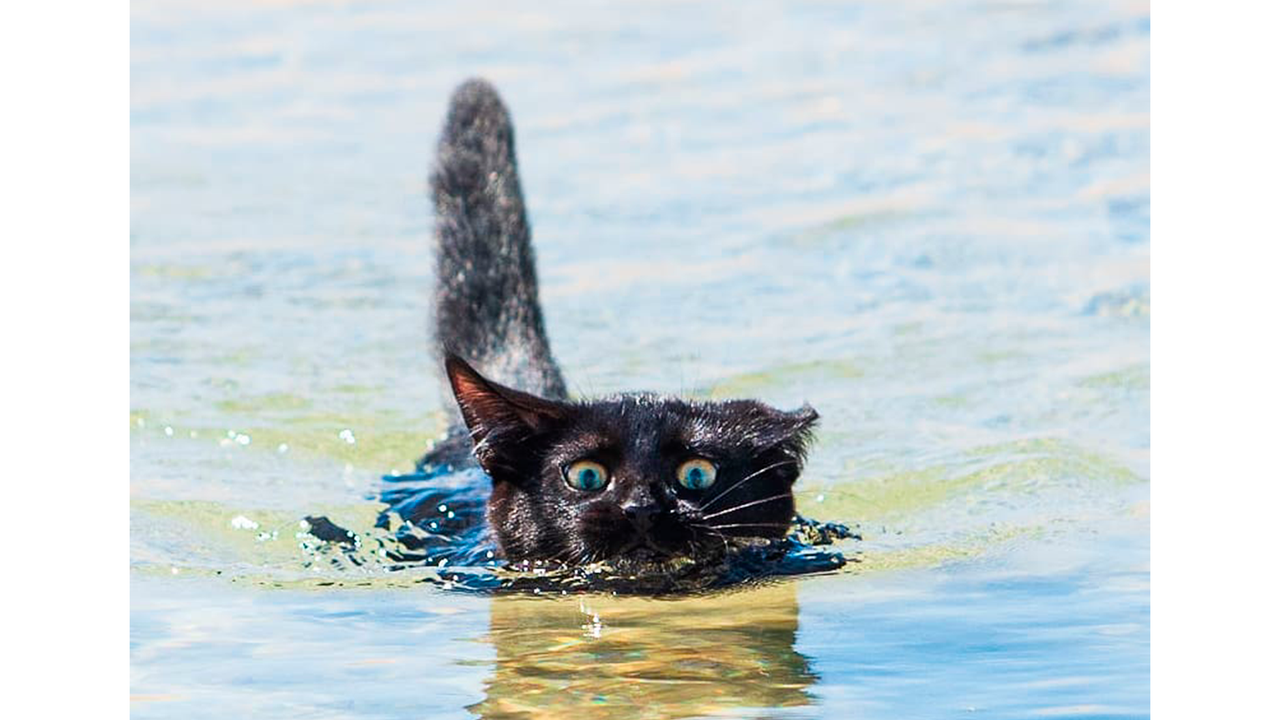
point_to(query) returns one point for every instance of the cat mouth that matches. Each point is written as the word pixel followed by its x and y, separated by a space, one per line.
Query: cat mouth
pixel 644 549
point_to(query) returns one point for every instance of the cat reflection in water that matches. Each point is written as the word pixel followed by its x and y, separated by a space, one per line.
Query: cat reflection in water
pixel 608 657
pixel 634 479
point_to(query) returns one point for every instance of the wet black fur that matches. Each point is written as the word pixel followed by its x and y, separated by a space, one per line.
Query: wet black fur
pixel 524 430
pixel 486 298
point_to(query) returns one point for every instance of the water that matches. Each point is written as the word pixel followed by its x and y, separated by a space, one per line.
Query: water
pixel 929 220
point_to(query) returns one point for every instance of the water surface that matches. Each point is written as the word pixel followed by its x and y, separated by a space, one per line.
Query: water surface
pixel 928 220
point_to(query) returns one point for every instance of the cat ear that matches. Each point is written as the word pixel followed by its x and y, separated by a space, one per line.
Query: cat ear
pixel 492 411
pixel 793 431
pixel 802 420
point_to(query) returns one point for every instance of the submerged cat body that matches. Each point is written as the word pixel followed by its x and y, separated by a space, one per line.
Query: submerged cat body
pixel 635 478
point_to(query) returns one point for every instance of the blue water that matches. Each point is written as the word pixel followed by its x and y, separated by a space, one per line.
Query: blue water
pixel 930 221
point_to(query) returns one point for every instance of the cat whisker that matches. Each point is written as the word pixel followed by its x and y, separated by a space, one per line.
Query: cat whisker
pixel 738 484
pixel 723 538
pixel 731 525
pixel 743 506
pixel 746 533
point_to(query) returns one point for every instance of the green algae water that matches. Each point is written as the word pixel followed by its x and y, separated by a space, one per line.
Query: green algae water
pixel 930 221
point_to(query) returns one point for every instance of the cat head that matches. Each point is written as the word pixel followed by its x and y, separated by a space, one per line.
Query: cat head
pixel 632 478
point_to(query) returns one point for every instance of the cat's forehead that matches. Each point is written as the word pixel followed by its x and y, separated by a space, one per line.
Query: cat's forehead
pixel 651 418
pixel 636 414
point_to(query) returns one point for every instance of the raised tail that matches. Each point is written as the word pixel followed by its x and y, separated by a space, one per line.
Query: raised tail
pixel 486 299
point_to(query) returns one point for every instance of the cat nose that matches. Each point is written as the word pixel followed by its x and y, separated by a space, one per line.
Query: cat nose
pixel 641 516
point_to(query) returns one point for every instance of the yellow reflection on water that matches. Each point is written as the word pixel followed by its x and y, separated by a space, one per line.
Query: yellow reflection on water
pixel 613 657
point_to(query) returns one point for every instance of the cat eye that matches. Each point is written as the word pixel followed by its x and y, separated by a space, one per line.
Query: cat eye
pixel 586 475
pixel 696 474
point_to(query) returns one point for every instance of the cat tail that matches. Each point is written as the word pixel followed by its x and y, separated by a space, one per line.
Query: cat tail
pixel 486 296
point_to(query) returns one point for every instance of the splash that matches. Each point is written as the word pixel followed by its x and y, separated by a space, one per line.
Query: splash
pixel 433 526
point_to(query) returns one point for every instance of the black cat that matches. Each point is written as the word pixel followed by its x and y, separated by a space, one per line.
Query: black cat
pixel 634 478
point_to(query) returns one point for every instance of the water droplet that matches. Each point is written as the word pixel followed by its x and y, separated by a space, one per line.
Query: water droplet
pixel 347 436
pixel 241 522
pixel 168 431
pixel 450 515
pixel 442 508
pixel 821 497
pixel 193 433
pixel 243 439
pixel 488 553
pixel 231 434
pixel 443 562
pixel 282 448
